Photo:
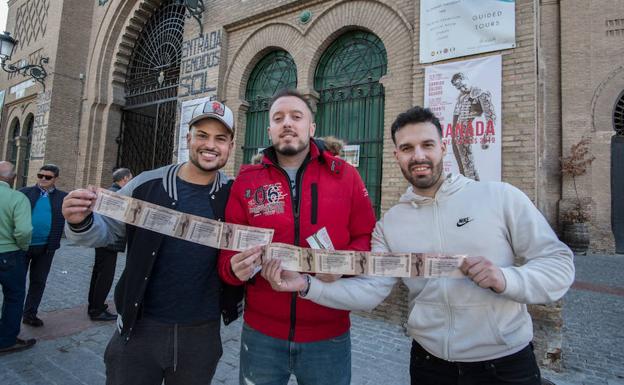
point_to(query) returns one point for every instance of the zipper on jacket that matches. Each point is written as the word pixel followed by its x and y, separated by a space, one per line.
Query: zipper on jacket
pixel 314 192
pixel 450 319
pixel 295 208
pixel 444 284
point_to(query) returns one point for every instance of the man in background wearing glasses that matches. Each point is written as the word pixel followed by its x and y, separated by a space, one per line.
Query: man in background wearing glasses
pixel 48 222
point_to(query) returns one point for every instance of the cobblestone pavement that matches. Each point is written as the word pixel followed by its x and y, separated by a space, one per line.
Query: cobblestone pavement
pixel 593 312
pixel 70 347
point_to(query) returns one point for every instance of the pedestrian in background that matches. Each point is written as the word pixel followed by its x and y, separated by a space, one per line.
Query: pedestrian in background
pixel 105 263
pixel 15 232
pixel 47 221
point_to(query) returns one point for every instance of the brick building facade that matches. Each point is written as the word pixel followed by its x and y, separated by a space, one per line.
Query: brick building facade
pixel 39 127
pixel 562 81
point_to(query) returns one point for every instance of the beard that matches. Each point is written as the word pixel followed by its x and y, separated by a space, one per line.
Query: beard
pixel 423 182
pixel 291 149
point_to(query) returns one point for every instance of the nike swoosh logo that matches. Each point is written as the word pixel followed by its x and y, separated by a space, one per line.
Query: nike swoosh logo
pixel 463 221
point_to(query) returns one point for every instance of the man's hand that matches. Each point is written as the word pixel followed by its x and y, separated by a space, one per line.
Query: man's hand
pixel 484 273
pixel 282 280
pixel 77 205
pixel 244 263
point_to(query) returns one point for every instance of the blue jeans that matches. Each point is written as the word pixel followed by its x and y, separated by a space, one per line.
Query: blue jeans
pixel 266 360
pixel 13 281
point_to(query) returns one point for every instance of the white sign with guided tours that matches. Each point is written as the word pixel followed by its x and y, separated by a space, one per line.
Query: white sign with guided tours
pixel 450 29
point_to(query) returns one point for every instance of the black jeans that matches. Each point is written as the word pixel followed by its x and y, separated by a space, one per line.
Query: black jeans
pixel 39 260
pixel 519 369
pixel 101 279
pixel 177 354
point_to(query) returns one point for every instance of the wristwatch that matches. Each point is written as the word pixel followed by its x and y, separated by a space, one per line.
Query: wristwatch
pixel 304 292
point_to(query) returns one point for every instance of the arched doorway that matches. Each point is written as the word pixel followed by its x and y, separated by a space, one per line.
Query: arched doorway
pixel 351 101
pixel 617 175
pixel 147 132
pixel 25 153
pixel 275 71
pixel 12 147
pixel 15 150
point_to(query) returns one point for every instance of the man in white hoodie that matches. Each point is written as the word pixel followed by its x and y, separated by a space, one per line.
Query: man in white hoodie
pixel 474 330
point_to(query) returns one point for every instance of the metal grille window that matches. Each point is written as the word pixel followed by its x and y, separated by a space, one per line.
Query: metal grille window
pixel 618 115
pixel 351 101
pixel 148 123
pixel 155 63
pixel 274 72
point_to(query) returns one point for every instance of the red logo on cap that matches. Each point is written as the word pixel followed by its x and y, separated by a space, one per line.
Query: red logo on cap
pixel 217 108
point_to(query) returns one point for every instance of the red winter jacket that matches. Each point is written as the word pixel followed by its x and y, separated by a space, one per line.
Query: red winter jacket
pixel 332 195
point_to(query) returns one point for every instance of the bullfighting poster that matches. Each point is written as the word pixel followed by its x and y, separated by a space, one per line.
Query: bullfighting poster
pixel 466 97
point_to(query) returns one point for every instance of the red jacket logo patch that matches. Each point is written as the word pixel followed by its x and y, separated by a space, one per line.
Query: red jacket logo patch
pixel 267 200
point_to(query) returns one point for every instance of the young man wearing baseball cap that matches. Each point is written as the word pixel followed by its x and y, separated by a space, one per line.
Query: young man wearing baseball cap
pixel 168 296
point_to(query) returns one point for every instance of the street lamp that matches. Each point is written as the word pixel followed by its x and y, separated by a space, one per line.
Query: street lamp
pixel 36 71
pixel 195 9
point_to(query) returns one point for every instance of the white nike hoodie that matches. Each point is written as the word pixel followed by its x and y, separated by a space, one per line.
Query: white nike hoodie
pixel 454 319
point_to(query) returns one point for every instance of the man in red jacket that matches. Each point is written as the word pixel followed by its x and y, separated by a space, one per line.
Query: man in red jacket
pixel 297 190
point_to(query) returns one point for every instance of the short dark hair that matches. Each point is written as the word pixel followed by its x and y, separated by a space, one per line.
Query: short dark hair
pixel 414 115
pixel 458 76
pixel 121 173
pixel 284 92
pixel 52 168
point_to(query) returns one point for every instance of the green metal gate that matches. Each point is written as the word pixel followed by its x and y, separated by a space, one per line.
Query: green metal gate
pixel 275 71
pixel 351 101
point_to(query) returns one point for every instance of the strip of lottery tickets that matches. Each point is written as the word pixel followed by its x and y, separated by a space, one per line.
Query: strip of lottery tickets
pixel 173 223
pixel 221 235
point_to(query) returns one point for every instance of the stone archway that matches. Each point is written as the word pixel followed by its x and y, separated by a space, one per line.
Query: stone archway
pixel 272 37
pixel 306 44
pixel 12 145
pixel 351 101
pixel 109 58
pixel 275 71
pixel 16 139
pixel 606 177
pixel 24 148
pixel 148 122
